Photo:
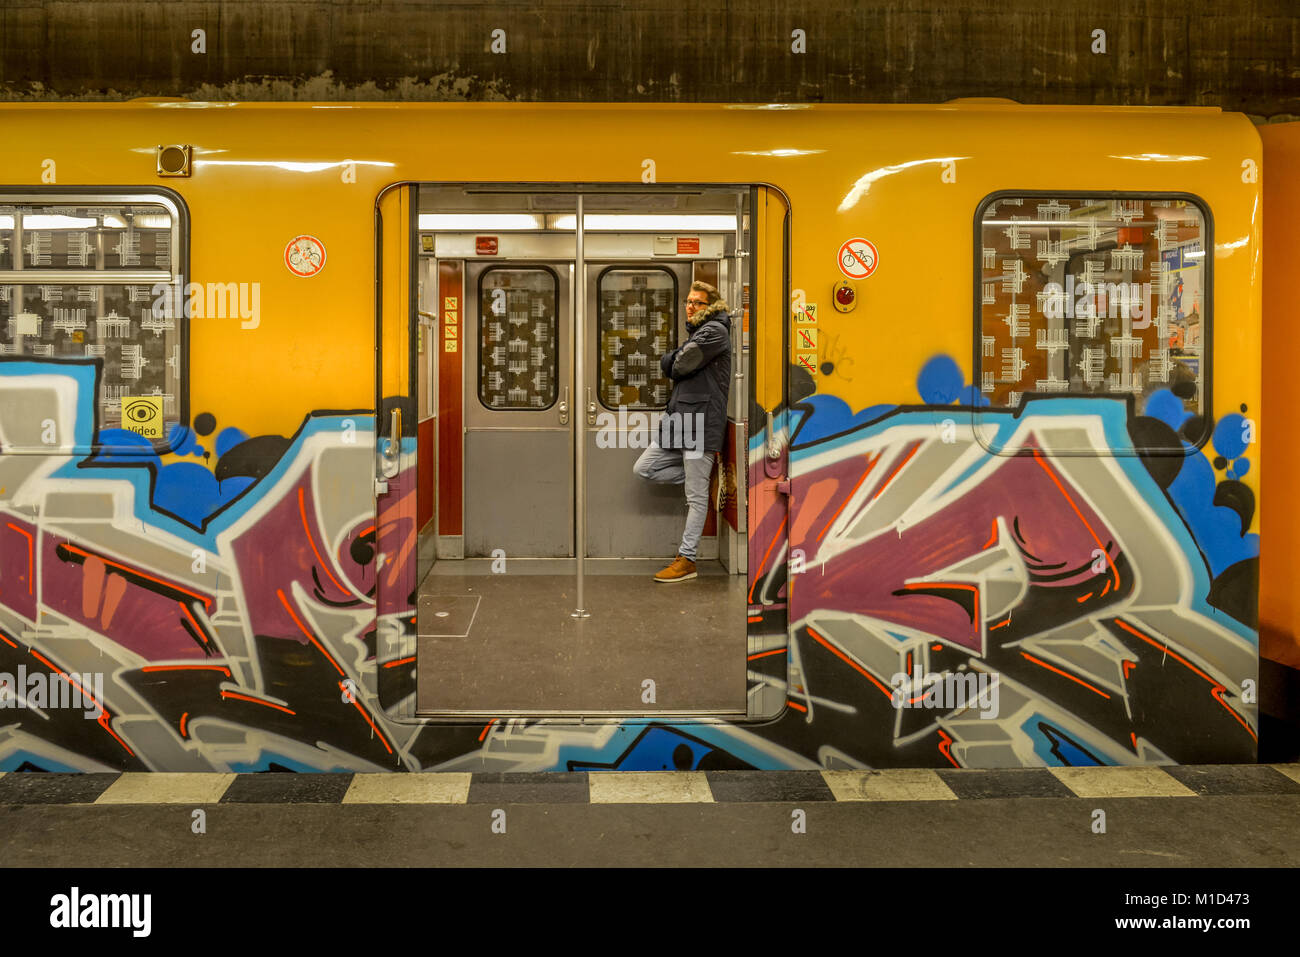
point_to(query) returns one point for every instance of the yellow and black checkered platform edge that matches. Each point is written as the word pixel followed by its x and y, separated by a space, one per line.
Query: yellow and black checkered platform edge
pixel 648 787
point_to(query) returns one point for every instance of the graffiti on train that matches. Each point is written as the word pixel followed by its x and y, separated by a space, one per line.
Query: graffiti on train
pixel 1100 608
pixel 1109 598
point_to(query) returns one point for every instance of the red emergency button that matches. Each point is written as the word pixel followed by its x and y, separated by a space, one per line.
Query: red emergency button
pixel 846 297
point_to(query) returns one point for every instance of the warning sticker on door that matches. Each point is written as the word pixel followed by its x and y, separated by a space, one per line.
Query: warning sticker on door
pixel 858 258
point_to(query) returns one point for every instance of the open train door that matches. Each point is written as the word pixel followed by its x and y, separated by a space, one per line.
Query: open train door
pixel 481 612
pixel 767 515
pixel 395 475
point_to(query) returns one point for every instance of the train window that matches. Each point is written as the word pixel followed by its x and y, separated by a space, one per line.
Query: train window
pixel 94 276
pixel 1097 296
pixel 518 338
pixel 638 323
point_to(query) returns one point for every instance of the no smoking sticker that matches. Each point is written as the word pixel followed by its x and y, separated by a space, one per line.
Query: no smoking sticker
pixel 305 256
pixel 858 258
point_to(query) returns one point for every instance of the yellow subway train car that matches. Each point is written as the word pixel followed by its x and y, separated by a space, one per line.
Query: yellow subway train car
pixel 325 431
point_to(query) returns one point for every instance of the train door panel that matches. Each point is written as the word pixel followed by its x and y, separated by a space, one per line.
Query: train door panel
pixel 517 403
pixel 773 673
pixel 394 535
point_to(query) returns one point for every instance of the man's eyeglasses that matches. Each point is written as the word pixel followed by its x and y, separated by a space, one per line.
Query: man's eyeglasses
pixel 697 302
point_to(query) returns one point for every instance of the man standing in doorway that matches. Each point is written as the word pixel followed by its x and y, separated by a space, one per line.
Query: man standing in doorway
pixel 693 428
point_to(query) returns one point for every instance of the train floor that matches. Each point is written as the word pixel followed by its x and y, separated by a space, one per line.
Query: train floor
pixel 501 643
pixel 1180 816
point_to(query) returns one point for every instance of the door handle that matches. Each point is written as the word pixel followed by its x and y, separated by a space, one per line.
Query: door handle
pixel 393 450
pixel 591 408
pixel 564 407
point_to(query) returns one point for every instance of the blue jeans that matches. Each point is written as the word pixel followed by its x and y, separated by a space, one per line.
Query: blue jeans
pixel 671 467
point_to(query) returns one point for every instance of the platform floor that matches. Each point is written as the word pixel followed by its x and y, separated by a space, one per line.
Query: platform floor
pixel 1183 816
pixel 500 643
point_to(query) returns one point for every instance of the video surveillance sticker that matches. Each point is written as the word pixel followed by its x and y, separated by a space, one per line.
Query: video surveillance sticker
pixel 143 415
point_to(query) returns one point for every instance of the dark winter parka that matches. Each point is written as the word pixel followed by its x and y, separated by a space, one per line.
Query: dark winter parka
pixel 701 372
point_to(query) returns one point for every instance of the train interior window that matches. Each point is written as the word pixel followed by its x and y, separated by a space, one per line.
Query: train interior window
pixel 638 323
pixel 99 277
pixel 518 338
pixel 1087 295
pixel 539 539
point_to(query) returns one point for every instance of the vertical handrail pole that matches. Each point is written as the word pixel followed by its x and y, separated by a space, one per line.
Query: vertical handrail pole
pixel 580 428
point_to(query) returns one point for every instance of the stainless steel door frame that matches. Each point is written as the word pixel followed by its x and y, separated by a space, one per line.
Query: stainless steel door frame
pixel 733 545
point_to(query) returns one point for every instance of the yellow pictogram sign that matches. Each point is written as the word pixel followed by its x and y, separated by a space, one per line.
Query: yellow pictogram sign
pixel 805 337
pixel 143 415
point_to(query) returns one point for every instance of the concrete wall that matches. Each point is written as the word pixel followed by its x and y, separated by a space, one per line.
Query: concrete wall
pixel 1239 56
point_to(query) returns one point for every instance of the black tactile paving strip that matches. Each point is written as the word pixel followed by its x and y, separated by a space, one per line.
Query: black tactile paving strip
pixel 287 788
pixel 1226 779
pixel 1011 783
pixel 565 787
pixel 764 786
pixel 42 788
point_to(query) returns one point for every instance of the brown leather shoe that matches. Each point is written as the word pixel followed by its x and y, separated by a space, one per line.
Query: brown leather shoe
pixel 679 571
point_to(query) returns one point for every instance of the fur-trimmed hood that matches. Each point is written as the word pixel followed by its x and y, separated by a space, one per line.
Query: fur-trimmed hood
pixel 716 311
